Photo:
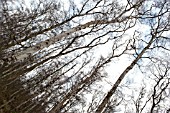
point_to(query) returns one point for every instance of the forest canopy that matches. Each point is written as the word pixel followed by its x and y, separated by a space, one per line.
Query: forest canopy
pixel 84 56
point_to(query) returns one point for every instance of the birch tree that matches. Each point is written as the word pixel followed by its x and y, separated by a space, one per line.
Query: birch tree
pixel 54 54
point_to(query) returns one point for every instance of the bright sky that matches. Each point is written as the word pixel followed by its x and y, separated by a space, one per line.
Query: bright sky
pixel 115 68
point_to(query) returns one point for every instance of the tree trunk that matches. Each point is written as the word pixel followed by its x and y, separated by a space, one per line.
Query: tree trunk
pixel 113 89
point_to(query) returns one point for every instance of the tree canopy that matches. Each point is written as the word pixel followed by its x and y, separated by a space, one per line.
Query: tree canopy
pixel 90 56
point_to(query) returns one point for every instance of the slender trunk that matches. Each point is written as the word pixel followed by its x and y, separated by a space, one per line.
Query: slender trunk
pixel 113 89
pixel 76 88
pixel 29 51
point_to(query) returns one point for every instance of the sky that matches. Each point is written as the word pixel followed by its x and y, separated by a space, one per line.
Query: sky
pixel 115 68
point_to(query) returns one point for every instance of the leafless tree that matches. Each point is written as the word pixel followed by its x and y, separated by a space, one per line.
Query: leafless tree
pixel 50 57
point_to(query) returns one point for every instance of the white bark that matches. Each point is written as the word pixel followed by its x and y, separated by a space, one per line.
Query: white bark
pixel 30 51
